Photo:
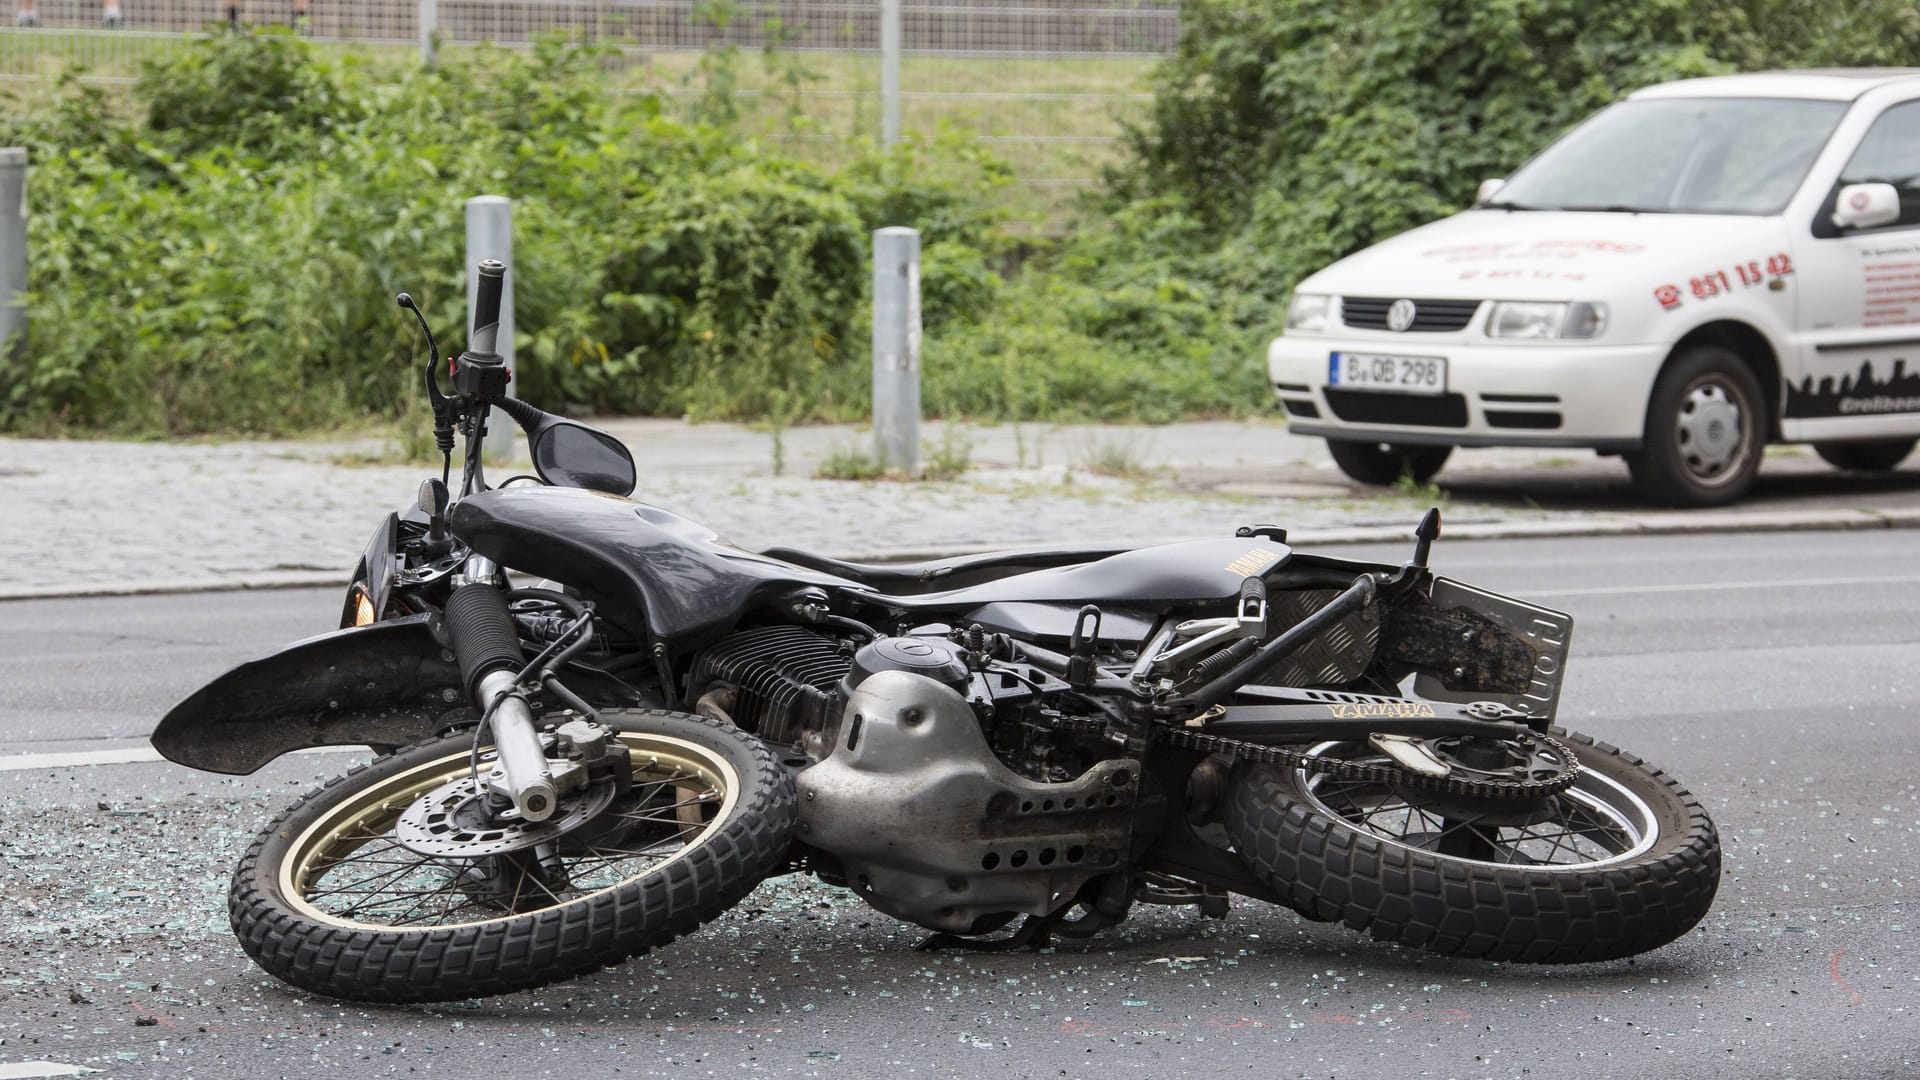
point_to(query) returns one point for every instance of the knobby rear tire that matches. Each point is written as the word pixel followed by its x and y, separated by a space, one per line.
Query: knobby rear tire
pixel 1330 869
pixel 295 940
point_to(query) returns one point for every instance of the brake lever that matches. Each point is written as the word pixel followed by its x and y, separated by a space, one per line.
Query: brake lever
pixel 442 405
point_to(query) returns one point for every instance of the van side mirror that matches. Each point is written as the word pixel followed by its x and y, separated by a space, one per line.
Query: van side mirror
pixel 1866 206
pixel 1488 189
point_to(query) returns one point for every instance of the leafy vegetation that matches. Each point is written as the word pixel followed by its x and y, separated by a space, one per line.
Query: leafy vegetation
pixel 218 249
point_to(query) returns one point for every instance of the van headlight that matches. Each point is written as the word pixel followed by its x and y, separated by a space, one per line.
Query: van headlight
pixel 1311 312
pixel 1539 320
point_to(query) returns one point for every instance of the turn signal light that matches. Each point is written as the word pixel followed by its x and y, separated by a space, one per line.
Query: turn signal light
pixel 363 613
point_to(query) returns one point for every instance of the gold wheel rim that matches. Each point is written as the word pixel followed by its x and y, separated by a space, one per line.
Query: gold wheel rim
pixel 347 866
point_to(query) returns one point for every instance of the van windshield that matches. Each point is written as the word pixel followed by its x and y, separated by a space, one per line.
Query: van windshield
pixel 1678 156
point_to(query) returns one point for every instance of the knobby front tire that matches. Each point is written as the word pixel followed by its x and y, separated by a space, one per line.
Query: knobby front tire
pixel 328 900
pixel 1624 862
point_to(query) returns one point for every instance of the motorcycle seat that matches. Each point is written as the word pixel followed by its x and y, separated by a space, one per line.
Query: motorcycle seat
pixel 944 574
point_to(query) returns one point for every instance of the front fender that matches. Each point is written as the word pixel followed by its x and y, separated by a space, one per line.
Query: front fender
pixel 383 685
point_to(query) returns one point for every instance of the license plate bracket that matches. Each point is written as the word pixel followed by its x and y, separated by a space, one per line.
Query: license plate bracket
pixel 1549 632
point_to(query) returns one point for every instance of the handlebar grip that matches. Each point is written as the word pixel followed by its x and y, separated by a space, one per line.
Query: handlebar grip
pixel 486 307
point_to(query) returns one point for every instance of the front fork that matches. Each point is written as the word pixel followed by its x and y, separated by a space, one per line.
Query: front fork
pixel 523 769
pixel 487 643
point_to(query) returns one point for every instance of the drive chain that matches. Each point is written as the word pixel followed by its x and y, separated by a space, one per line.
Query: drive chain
pixel 1479 786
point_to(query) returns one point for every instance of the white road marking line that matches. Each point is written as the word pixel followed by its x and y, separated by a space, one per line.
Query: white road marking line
pixel 21 1070
pixel 1719 586
pixel 126 755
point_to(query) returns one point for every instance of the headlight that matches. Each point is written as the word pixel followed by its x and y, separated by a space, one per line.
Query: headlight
pixel 1536 320
pixel 1310 312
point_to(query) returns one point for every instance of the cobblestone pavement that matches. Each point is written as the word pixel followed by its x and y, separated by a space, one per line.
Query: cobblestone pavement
pixel 80 516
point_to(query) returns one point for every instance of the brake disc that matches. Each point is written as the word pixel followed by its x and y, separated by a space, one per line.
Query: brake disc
pixel 453 822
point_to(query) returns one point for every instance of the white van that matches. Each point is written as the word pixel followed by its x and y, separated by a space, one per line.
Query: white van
pixel 1706 267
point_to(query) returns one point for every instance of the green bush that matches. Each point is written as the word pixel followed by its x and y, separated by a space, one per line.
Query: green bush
pixel 255 93
pixel 217 249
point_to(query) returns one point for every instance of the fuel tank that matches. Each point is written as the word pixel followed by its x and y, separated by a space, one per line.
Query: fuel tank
pixel 689 582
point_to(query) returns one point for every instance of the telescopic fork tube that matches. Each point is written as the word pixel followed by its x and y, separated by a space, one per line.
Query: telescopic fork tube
pixel 487 644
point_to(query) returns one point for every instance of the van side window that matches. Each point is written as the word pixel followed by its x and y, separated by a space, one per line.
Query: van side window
pixel 1890 154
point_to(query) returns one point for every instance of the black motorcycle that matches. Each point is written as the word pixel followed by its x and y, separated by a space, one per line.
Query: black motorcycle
pixel 600 725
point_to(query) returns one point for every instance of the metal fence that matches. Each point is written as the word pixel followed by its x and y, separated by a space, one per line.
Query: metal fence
pixel 1045 85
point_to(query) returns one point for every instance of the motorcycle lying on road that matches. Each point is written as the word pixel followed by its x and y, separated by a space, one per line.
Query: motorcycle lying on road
pixel 600 725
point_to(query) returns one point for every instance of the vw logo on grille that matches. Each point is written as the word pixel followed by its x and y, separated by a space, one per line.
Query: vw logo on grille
pixel 1400 315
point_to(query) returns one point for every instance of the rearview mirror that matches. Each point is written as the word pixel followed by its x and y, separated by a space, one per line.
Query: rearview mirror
pixel 1866 206
pixel 1488 189
pixel 571 454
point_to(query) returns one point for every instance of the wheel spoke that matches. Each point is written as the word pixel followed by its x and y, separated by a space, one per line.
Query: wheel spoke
pixel 354 886
pixel 354 867
pixel 1593 823
pixel 419 898
pixel 1466 839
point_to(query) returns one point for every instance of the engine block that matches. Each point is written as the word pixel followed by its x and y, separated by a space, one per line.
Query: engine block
pixel 932 828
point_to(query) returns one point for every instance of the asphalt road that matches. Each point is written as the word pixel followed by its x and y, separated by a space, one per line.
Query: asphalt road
pixel 1776 675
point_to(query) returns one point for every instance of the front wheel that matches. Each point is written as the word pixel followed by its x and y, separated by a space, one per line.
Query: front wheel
pixel 1383 464
pixel 1705 432
pixel 1622 862
pixel 348 895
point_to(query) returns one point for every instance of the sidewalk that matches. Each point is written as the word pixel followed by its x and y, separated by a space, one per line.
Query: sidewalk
pixel 104 517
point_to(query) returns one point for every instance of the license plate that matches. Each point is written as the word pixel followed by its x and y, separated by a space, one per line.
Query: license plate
pixel 1392 374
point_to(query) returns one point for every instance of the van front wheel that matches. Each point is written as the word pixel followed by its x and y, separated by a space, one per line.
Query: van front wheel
pixel 1705 431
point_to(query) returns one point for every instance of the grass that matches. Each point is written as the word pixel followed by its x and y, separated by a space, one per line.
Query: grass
pixel 846 462
pixel 1055 121
pixel 1120 456
pixel 947 459
pixel 1426 494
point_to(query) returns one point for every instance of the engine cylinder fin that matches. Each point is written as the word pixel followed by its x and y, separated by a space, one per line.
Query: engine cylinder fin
pixel 785 679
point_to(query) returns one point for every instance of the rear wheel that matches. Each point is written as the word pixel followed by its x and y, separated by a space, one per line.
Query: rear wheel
pixel 347 894
pixel 1385 463
pixel 1622 862
pixel 1874 455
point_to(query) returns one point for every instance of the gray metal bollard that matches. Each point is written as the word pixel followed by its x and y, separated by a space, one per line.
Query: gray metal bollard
pixel 890 29
pixel 490 236
pixel 13 251
pixel 429 31
pixel 896 348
